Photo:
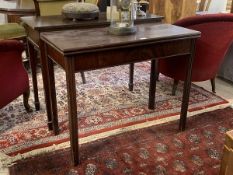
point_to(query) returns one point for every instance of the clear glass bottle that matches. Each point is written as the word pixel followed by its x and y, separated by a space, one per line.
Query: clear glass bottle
pixel 122 17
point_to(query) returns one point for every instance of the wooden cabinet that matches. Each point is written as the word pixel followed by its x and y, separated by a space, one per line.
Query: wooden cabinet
pixel 229 6
pixel 227 158
pixel 173 10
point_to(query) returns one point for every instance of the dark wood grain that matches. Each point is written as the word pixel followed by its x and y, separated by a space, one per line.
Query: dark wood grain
pixel 33 63
pixel 46 80
pixel 152 88
pixel 76 50
pixel 35 25
pixel 89 40
pixel 102 58
pixel 72 107
pixel 186 89
pixel 53 97
pixel 131 76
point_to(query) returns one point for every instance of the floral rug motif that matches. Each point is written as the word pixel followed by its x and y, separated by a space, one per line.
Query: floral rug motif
pixel 104 105
pixel 156 150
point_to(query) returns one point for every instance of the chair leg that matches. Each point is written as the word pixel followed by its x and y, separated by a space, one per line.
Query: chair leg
pixel 174 87
pixel 25 101
pixel 83 77
pixel 26 60
pixel 213 84
pixel 131 76
pixel 157 76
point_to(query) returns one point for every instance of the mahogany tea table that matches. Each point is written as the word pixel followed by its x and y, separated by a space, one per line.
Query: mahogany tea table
pixel 36 25
pixel 77 50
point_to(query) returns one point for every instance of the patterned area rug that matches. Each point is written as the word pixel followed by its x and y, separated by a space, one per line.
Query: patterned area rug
pixel 105 107
pixel 157 150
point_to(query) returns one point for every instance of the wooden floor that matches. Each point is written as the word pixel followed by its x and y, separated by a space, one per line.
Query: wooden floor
pixel 223 88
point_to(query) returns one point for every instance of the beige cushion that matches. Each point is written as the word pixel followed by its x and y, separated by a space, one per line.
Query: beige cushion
pixel 55 7
pixel 78 8
pixel 11 31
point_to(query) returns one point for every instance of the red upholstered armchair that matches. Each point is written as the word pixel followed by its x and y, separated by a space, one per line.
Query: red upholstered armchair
pixel 216 37
pixel 13 77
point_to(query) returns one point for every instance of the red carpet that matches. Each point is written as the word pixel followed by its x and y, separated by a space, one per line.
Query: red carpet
pixel 156 150
pixel 105 107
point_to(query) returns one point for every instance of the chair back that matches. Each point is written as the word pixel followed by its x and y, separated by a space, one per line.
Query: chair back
pixel 13 77
pixel 53 7
pixel 211 47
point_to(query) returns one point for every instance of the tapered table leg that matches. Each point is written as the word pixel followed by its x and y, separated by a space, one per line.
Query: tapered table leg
pixel 131 75
pixel 186 90
pixel 45 76
pixel 33 63
pixel 152 90
pixel 72 106
pixel 53 96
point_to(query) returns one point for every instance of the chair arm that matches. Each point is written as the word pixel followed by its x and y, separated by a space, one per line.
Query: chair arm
pixel 200 19
pixel 10 45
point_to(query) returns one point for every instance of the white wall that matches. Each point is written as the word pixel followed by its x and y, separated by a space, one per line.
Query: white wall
pixel 217 6
pixel 2 18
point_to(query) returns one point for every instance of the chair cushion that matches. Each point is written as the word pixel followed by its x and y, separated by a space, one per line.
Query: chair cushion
pixel 54 6
pixel 11 31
